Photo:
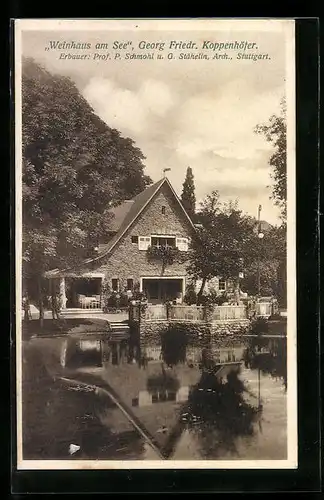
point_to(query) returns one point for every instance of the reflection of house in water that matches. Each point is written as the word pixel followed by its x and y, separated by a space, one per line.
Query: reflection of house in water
pixel 147 398
pixel 155 395
pixel 225 355
pixel 193 354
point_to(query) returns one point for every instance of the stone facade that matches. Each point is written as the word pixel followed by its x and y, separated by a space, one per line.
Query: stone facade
pixel 128 262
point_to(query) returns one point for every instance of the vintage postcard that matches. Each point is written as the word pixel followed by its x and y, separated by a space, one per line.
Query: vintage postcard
pixel 155 243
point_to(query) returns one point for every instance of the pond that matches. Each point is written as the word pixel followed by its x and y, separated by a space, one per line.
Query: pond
pixel 177 408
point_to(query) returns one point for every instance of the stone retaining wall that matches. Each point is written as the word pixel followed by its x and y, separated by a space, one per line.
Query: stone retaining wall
pixel 198 334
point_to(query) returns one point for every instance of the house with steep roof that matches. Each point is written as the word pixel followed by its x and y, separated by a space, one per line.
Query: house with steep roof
pixel 146 250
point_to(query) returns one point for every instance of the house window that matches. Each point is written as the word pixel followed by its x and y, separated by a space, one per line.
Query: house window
pixel 182 244
pixel 163 210
pixel 162 241
pixel 222 285
pixel 115 284
pixel 130 284
pixel 134 239
pixel 144 242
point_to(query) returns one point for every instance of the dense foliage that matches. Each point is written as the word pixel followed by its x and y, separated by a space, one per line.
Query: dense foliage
pixel 275 131
pixel 75 167
pixel 188 197
pixel 227 244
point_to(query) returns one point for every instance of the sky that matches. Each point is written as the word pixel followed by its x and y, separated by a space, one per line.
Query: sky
pixel 195 113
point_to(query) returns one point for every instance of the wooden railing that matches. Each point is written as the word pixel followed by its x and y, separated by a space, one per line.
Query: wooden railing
pixel 158 311
pixel 264 309
pixel 191 313
pixel 187 313
pixel 228 312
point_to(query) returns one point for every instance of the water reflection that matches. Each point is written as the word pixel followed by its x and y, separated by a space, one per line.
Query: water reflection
pixel 161 387
pixel 215 413
pixel 174 346
pixel 191 402
pixel 268 355
pixel 56 415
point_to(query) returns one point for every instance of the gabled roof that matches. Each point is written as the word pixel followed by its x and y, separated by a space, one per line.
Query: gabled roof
pixel 119 212
pixel 125 215
pixel 131 209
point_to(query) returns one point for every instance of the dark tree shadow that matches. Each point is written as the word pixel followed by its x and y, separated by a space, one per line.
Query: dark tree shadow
pixel 218 413
pixel 174 346
pixel 269 356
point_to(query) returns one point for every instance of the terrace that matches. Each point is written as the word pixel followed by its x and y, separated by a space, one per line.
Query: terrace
pixel 214 313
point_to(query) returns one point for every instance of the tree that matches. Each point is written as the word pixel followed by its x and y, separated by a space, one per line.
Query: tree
pixel 75 167
pixel 188 197
pixel 223 244
pixel 226 243
pixel 271 253
pixel 275 131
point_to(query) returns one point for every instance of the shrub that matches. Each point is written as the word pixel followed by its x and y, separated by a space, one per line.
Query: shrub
pixel 190 296
pixel 105 295
pixel 165 254
pixel 124 299
pixel 112 300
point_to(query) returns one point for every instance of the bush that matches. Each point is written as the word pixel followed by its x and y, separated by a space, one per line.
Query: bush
pixel 124 300
pixel 112 300
pixel 105 294
pixel 260 326
pixel 190 296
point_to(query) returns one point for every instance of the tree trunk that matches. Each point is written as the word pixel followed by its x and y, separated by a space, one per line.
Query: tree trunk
pixel 40 300
pixel 201 291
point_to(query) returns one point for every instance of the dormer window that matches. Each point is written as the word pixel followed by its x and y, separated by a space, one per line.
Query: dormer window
pixel 163 210
pixel 135 239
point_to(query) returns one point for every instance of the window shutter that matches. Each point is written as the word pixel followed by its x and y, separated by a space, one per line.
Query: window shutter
pixel 144 242
pixel 182 244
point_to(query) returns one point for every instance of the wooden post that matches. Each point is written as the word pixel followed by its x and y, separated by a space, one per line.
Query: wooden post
pixel 63 298
pixel 168 308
